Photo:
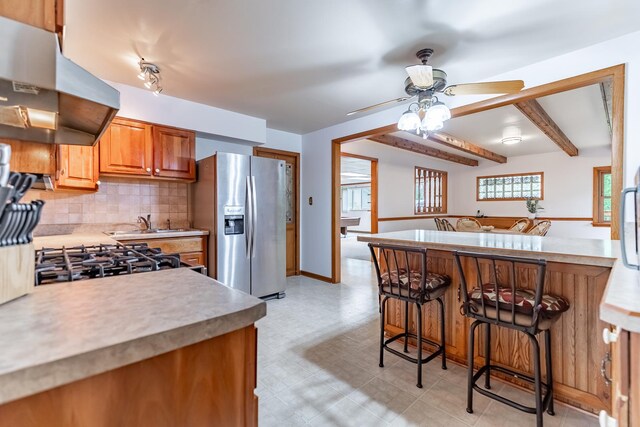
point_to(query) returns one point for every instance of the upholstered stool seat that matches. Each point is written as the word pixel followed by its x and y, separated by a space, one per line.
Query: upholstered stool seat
pixel 410 284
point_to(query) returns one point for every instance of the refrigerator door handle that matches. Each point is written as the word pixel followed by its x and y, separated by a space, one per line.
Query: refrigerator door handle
pixel 254 214
pixel 248 232
pixel 623 243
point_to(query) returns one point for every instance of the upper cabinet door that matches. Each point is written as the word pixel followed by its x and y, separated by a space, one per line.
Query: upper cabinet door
pixel 77 167
pixel 126 148
pixel 174 152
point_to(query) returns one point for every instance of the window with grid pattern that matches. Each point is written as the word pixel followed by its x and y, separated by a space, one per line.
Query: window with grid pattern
pixel 602 195
pixel 430 191
pixel 510 187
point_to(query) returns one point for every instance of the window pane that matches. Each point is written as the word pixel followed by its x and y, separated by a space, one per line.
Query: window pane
pixel 509 187
pixel 429 197
pixel 606 185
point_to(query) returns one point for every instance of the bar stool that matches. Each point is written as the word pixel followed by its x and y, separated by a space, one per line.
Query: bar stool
pixel 531 311
pixel 402 274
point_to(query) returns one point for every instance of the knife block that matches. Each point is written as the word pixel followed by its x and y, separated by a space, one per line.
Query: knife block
pixel 17 271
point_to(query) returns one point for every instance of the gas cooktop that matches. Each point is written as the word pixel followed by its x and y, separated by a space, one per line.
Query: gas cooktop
pixel 55 265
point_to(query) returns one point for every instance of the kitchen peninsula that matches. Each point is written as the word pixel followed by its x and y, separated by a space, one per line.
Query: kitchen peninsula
pixel 163 348
pixel 577 269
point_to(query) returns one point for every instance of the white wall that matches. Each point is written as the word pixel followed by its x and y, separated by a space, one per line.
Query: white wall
pixel 568 189
pixel 396 182
pixel 142 104
pixel 207 145
pixel 316 163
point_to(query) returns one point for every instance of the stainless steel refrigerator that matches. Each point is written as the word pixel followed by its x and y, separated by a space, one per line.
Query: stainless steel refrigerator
pixel 241 201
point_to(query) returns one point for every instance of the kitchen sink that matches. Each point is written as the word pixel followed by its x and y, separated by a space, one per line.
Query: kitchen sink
pixel 142 232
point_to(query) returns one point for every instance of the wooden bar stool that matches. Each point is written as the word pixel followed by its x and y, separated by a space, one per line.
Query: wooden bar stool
pixel 499 297
pixel 402 274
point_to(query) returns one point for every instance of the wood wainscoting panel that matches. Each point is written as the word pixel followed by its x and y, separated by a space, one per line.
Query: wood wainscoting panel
pixel 210 383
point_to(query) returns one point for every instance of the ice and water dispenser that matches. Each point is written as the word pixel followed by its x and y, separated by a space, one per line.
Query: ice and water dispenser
pixel 233 220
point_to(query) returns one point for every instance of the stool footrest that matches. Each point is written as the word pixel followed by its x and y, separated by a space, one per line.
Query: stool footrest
pixel 531 410
pixel 436 353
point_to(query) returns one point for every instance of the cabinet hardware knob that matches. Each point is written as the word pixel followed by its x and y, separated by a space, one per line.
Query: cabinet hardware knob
pixel 148 169
pixel 98 183
pixel 157 170
pixel 603 368
pixel 606 421
pixel 609 336
pixel 62 171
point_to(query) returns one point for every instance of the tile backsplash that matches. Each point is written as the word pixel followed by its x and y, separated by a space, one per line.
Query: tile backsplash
pixel 118 201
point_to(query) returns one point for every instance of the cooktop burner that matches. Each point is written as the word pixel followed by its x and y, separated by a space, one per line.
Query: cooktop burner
pixel 55 265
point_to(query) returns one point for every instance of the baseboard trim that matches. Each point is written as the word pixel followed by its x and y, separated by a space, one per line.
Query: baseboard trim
pixel 316 276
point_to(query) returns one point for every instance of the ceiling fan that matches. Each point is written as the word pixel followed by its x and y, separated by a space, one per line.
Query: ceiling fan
pixel 424 82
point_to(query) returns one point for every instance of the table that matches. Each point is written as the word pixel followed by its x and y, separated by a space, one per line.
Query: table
pixel 346 221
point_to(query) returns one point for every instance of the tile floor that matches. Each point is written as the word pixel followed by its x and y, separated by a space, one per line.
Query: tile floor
pixel 318 365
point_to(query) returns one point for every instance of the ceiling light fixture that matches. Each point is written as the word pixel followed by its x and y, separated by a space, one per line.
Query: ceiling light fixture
pixel 150 74
pixel 511 135
pixel 434 112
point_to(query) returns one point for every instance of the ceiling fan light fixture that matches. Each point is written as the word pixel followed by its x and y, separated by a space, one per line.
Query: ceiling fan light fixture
pixel 431 124
pixel 438 112
pixel 421 75
pixel 409 121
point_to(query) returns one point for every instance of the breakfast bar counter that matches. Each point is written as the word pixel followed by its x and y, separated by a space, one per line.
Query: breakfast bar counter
pixel 171 347
pixel 577 269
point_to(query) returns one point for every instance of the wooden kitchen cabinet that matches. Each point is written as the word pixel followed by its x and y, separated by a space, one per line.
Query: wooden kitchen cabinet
pixel 174 153
pixel 126 148
pixel 130 147
pixel 192 249
pixel 625 377
pixel 32 157
pixel 45 14
pixel 78 167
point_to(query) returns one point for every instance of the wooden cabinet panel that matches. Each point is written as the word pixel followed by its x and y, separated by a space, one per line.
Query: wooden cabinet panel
pixel 78 167
pixel 32 157
pixel 634 379
pixel 174 153
pixel 38 13
pixel 210 383
pixel 193 258
pixel 192 250
pixel 126 148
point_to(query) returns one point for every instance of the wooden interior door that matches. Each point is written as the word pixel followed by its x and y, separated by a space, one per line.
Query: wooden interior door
pixel 78 167
pixel 126 148
pixel 292 174
pixel 174 153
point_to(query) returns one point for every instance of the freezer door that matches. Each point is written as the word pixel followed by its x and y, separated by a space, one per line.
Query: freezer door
pixel 268 261
pixel 232 256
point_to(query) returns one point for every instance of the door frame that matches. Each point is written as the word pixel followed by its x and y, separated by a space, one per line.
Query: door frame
pixel 273 151
pixel 614 74
pixel 374 187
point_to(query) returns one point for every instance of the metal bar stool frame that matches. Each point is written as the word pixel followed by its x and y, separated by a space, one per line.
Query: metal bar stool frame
pixel 384 344
pixel 470 309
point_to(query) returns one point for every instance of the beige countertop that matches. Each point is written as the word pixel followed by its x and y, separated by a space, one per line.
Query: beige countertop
pixel 161 235
pixel 69 240
pixel 66 332
pixel 620 304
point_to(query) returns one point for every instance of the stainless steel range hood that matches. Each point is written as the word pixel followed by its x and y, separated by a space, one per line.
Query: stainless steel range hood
pixel 44 97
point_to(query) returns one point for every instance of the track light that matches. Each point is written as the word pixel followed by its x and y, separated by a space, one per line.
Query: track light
pixel 150 74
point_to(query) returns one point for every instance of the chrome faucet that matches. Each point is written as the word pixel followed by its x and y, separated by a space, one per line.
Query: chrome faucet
pixel 146 221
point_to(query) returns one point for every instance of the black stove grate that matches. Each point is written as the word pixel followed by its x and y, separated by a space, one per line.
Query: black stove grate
pixel 54 265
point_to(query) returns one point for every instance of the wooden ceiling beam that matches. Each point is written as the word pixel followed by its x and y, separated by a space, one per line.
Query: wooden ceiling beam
pixel 465 146
pixel 406 144
pixel 534 112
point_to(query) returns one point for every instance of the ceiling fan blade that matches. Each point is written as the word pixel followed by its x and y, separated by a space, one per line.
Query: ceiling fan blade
pixel 371 107
pixel 507 86
pixel 421 75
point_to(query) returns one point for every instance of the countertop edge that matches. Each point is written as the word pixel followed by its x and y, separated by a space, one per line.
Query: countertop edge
pixel 36 379
pixel 624 313
pixel 167 235
pixel 550 256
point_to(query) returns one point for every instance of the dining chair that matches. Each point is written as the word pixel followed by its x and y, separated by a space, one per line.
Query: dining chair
pixel 447 226
pixel 439 225
pixel 540 229
pixel 468 224
pixel 520 225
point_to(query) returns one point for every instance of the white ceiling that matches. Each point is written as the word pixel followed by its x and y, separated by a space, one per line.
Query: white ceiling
pixel 354 170
pixel 303 64
pixel 579 113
